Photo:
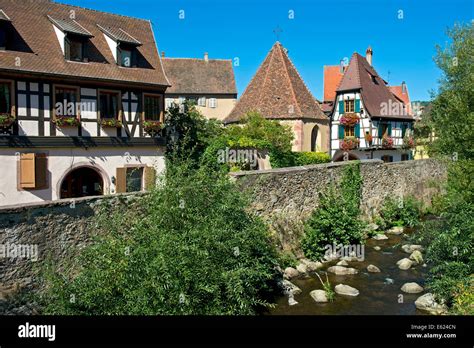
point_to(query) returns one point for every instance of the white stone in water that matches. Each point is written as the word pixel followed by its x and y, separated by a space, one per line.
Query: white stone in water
pixel 388 281
pixel 409 248
pixel 380 237
pixel 412 288
pixel 340 270
pixel 377 248
pixel 416 256
pixel 319 295
pixel 347 290
pixel 290 273
pixel 373 269
pixel 342 263
pixel 396 230
pixel 312 266
pixel 428 303
pixel 292 301
pixel 289 288
pixel 302 268
pixel 404 264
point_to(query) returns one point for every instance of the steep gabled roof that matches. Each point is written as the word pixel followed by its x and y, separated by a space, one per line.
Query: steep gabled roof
pixel 198 76
pixel 277 91
pixel 38 48
pixel 332 78
pixel 360 75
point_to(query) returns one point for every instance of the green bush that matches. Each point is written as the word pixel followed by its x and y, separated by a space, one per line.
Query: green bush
pixel 337 218
pixel 190 247
pixel 403 212
pixel 307 158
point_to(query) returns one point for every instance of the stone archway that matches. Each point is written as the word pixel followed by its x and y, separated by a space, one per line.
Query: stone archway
pixel 314 138
pixel 82 181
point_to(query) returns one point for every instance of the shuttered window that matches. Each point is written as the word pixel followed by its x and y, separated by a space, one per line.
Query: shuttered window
pixel 349 105
pixel 33 171
pixel 341 107
pixel 134 179
pixel 152 107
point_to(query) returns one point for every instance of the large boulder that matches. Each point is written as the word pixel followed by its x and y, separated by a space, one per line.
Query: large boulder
pixel 409 248
pixel 346 290
pixel 340 270
pixel 290 273
pixel 311 266
pixel 302 268
pixel 417 257
pixel 396 230
pixel 319 295
pixel 373 269
pixel 412 288
pixel 405 263
pixel 380 237
pixel 428 303
pixel 288 288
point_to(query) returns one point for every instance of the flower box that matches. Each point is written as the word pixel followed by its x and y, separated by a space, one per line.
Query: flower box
pixel 66 121
pixel 387 142
pixel 349 119
pixel 6 120
pixel 110 122
pixel 152 127
pixel 408 143
pixel 349 143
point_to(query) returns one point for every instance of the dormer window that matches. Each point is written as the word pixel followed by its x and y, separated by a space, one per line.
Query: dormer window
pixel 123 46
pixel 5 22
pixel 73 38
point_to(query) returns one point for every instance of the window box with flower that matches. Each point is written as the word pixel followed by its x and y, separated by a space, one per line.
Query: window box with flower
pixel 349 119
pixel 387 142
pixel 152 127
pixel 66 121
pixel 110 123
pixel 6 120
pixel 349 143
pixel 408 142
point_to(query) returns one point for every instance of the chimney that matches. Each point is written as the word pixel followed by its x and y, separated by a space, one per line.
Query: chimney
pixel 162 54
pixel 368 55
pixel 404 87
pixel 341 66
pixel 206 57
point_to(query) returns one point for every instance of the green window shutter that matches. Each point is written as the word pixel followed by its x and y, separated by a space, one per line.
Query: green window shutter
pixel 357 105
pixel 404 129
pixel 357 130
pixel 341 107
pixel 380 130
pixel 341 131
pixel 389 129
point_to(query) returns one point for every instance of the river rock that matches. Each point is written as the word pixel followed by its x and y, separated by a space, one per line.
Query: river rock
pixel 405 263
pixel 377 248
pixel 289 289
pixel 347 290
pixel 290 273
pixel 428 303
pixel 409 248
pixel 342 263
pixel 372 227
pixel 412 288
pixel 340 270
pixel 312 266
pixel 292 301
pixel 319 295
pixel 331 256
pixel 416 256
pixel 396 230
pixel 373 269
pixel 302 268
pixel 380 237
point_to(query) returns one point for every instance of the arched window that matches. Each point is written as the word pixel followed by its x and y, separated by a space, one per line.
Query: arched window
pixel 314 138
pixel 82 182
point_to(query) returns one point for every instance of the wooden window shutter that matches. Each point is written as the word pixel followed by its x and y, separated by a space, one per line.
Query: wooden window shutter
pixel 341 131
pixel 121 180
pixel 357 130
pixel 41 171
pixel 389 129
pixel 357 105
pixel 150 178
pixel 27 170
pixel 380 130
pixel 341 107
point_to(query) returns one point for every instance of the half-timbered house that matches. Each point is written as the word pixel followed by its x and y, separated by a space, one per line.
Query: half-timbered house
pixel 81 102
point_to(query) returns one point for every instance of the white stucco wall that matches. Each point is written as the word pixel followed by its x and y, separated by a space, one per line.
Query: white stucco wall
pixel 62 160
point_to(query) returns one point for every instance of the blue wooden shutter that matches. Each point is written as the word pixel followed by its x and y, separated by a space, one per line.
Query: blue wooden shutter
pixel 357 105
pixel 341 107
pixel 357 130
pixel 404 129
pixel 380 135
pixel 341 131
pixel 389 129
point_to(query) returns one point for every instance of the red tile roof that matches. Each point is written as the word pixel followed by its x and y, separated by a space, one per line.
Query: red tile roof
pixel 277 91
pixel 197 76
pixel 332 78
pixel 39 51
pixel 360 75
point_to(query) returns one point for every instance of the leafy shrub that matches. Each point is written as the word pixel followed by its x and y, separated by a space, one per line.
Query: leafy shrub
pixel 306 158
pixel 463 301
pixel 336 220
pixel 190 247
pixel 403 212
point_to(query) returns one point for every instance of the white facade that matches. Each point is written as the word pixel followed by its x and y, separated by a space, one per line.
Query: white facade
pixel 366 150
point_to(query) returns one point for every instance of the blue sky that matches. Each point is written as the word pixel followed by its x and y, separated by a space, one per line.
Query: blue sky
pixel 322 32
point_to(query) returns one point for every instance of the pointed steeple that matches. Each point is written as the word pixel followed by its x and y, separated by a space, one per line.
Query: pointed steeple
pixel 277 91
